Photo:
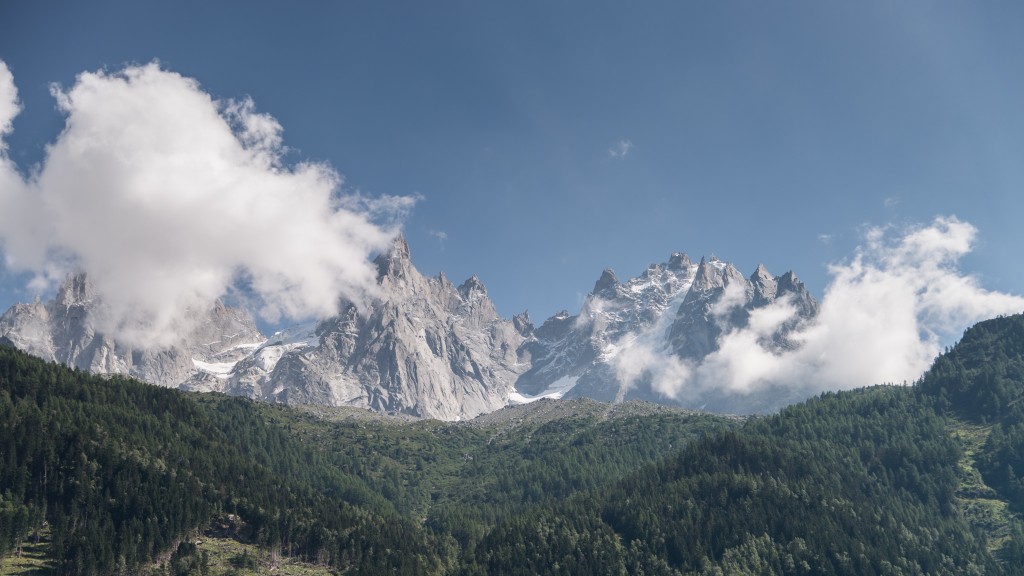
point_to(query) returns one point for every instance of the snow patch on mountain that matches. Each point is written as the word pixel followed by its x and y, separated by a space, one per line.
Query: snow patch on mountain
pixel 556 391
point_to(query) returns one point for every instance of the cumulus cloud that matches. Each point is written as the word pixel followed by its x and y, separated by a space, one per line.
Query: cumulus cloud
pixel 170 199
pixel 621 149
pixel 643 357
pixel 883 318
pixel 9 107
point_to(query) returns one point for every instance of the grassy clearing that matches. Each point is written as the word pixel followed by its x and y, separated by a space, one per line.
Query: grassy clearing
pixel 978 502
pixel 34 559
pixel 229 557
pixel 224 557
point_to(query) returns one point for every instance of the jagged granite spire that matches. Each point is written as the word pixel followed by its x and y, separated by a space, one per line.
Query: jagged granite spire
pixel 714 274
pixel 396 261
pixel 679 261
pixel 472 287
pixel 65 330
pixel 606 284
pixel 421 347
pixel 426 347
pixel 764 286
pixel 523 323
pixel 76 289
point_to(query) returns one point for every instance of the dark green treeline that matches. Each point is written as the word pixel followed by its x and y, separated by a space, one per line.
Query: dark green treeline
pixel 859 482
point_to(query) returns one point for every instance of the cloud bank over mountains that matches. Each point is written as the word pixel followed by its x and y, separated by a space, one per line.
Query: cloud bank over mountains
pixel 170 199
pixel 883 318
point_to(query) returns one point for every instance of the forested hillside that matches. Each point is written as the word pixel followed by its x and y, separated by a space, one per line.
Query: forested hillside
pixel 115 475
pixel 121 472
pixel 869 481
pixel 981 380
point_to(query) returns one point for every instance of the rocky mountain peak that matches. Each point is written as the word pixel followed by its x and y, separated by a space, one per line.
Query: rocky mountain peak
pixel 427 347
pixel 679 261
pixel 760 274
pixel 76 289
pixel 712 273
pixel 424 347
pixel 790 283
pixel 606 284
pixel 523 323
pixel 764 285
pixel 396 261
pixel 472 286
pixel 65 330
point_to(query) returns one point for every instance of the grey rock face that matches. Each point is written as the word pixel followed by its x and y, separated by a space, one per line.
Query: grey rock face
pixel 607 285
pixel 678 310
pixel 424 347
pixel 523 324
pixel 64 330
pixel 694 332
pixel 569 354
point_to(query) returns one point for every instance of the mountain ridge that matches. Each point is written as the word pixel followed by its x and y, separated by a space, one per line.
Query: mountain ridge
pixel 425 347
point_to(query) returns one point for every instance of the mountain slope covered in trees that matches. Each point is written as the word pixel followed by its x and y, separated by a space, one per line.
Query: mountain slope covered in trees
pixel 881 480
pixel 121 472
pixel 862 482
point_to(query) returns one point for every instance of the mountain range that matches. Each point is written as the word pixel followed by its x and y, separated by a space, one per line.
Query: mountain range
pixel 429 348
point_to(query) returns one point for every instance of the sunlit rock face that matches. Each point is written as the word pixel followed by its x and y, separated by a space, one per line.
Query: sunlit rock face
pixel 426 347
pixel 423 347
pixel 674 312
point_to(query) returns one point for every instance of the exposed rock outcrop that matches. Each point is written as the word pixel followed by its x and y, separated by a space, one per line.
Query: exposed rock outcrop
pixel 424 347
pixel 65 330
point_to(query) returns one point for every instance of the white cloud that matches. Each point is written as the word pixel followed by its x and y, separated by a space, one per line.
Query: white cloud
pixel 441 236
pixel 883 318
pixel 643 357
pixel 621 149
pixel 171 199
pixel 9 107
pixel 733 296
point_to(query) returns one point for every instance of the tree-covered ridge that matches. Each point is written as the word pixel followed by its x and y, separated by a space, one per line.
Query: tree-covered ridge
pixel 122 472
pixel 981 380
pixel 982 377
pixel 871 481
pixel 852 483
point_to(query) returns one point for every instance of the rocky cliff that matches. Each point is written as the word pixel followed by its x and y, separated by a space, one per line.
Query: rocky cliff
pixel 426 347
pixel 65 330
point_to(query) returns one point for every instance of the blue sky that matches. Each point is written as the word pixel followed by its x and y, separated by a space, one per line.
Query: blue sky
pixel 550 140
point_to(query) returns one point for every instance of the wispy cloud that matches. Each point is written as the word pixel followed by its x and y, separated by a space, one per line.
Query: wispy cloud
pixel 891 201
pixel 883 318
pixel 621 149
pixel 171 199
pixel 441 236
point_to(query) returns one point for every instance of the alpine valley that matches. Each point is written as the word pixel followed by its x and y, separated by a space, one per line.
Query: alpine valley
pixel 428 348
